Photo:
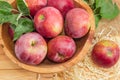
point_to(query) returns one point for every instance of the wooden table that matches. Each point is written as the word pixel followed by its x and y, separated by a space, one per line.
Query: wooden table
pixel 10 71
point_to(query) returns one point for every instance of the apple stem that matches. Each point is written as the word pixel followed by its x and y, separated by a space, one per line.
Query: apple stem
pixel 31 17
pixel 19 16
pixel 33 43
pixel 14 10
pixel 42 17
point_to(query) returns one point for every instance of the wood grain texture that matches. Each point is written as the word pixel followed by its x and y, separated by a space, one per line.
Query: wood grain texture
pixel 1 50
pixel 17 75
pixel 6 63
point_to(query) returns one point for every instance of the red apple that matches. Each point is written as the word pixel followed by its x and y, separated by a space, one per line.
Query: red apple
pixel 77 23
pixel 48 22
pixel 31 48
pixel 35 5
pixel 63 5
pixel 11 32
pixel 105 53
pixel 61 48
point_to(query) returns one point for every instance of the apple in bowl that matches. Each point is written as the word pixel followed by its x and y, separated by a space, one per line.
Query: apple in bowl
pixel 35 5
pixel 31 48
pixel 77 23
pixel 82 46
pixel 48 24
pixel 61 49
pixel 62 5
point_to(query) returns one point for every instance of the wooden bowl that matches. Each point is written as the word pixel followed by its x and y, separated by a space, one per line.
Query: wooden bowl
pixel 83 46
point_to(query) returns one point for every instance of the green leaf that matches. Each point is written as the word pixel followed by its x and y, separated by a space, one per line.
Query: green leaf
pixel 109 11
pixel 22 7
pixel 99 3
pixel 13 26
pixel 5 12
pixel 86 1
pixel 103 9
pixel 97 11
pixel 25 25
pixel 8 18
pixel 91 2
pixel 5 6
pixel 97 19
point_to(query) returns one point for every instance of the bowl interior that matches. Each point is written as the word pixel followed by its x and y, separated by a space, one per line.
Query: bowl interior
pixel 83 45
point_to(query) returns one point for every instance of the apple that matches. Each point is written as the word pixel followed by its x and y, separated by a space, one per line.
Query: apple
pixel 48 22
pixel 105 53
pixel 63 5
pixel 31 48
pixel 77 23
pixel 35 5
pixel 11 32
pixel 61 48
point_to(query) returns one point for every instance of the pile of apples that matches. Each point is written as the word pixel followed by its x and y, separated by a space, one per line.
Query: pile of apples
pixel 57 23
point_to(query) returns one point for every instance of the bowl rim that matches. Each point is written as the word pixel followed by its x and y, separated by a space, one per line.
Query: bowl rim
pixel 62 66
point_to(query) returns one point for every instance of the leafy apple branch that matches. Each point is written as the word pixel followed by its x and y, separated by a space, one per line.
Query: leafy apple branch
pixel 103 9
pixel 18 19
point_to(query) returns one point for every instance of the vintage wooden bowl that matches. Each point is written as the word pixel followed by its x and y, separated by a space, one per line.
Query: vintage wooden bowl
pixel 83 46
